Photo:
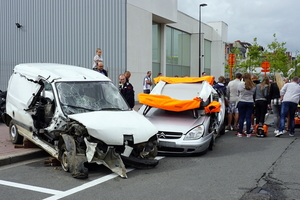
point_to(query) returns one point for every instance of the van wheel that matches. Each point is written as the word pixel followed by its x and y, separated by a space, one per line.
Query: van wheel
pixel 15 137
pixel 64 158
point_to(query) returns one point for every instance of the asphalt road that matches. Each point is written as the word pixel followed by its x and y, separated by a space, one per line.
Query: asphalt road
pixel 237 168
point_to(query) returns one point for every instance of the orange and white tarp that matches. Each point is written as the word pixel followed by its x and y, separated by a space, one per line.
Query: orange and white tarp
pixel 167 103
pixel 214 106
pixel 209 79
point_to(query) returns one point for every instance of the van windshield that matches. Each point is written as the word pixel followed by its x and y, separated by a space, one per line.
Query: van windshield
pixel 81 97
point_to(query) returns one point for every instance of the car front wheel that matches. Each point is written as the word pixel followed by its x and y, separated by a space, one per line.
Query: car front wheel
pixel 15 137
pixel 211 143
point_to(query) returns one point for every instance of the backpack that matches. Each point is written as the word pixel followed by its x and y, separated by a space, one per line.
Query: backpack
pixel 261 130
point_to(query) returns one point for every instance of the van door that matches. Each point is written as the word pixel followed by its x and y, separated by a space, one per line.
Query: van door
pixel 22 91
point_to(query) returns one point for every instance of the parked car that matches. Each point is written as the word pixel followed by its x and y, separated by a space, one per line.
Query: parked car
pixel 78 116
pixel 188 112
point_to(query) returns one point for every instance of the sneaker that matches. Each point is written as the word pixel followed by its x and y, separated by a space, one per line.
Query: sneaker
pixel 235 128
pixel 291 134
pixel 284 131
pixel 248 135
pixel 239 135
pixel 279 134
pixel 276 131
pixel 228 128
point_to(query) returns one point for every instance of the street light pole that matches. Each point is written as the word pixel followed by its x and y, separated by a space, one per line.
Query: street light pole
pixel 201 5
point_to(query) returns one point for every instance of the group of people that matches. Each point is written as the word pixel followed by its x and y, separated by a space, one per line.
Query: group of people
pixel 125 87
pixel 98 63
pixel 248 98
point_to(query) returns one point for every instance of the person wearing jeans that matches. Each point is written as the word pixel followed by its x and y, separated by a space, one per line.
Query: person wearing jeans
pixel 245 112
pixel 246 90
pixel 290 95
pixel 285 107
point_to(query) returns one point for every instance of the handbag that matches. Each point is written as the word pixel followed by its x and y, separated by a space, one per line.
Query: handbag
pixel 276 101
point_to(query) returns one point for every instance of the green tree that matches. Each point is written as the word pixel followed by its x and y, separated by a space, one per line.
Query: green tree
pixel 254 56
pixel 276 55
pixel 248 62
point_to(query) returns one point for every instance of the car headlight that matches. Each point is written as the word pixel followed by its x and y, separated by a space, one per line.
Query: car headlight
pixel 195 133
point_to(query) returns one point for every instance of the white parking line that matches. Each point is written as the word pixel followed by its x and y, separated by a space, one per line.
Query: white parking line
pixel 60 194
pixel 29 187
pixel 85 186
pixel 90 184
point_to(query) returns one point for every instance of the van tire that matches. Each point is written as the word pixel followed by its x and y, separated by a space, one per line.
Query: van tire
pixel 64 158
pixel 15 137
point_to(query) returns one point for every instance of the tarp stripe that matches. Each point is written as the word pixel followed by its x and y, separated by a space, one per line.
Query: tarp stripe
pixel 209 79
pixel 167 103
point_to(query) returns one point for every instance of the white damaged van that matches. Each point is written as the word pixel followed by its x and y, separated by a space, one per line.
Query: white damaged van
pixel 78 116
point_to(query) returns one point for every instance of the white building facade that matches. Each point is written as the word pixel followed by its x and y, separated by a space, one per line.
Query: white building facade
pixel 134 35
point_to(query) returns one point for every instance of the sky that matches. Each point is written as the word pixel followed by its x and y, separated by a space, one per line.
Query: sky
pixel 249 19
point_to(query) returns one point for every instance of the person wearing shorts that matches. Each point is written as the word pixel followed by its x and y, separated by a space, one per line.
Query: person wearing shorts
pixel 232 96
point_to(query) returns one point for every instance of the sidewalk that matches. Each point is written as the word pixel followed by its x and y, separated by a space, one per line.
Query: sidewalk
pixel 9 154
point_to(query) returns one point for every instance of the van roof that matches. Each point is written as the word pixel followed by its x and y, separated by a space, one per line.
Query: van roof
pixel 59 71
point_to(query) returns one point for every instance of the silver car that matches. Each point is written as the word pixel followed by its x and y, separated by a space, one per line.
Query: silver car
pixel 190 131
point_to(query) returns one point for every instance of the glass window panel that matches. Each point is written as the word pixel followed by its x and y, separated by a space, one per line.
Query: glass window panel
pixel 177 70
pixel 169 70
pixel 207 57
pixel 176 46
pixel 186 71
pixel 186 49
pixel 169 45
pixel 156 42
pixel 155 69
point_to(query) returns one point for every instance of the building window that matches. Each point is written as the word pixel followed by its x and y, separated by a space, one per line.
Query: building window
pixel 178 48
pixel 156 49
pixel 207 57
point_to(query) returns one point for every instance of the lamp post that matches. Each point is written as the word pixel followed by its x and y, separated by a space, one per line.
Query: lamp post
pixel 201 5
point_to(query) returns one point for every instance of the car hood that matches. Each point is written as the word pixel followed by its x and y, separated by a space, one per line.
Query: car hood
pixel 111 126
pixel 173 121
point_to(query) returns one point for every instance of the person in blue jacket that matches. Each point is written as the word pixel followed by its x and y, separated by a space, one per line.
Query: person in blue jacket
pixel 220 85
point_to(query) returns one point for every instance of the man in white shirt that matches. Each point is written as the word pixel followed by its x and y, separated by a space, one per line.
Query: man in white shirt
pixel 147 83
pixel 232 96
pixel 290 95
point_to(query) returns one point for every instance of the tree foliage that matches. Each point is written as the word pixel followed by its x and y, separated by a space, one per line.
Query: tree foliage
pixel 275 53
pixel 254 56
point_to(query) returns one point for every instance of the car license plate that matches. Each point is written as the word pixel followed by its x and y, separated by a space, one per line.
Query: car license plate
pixel 166 144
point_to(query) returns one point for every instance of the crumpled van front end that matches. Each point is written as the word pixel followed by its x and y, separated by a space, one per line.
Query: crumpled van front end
pixel 78 116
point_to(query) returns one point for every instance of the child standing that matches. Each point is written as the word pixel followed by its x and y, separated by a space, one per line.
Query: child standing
pixel 97 58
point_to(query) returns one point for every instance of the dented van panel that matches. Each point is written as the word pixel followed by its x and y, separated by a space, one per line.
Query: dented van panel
pixel 78 116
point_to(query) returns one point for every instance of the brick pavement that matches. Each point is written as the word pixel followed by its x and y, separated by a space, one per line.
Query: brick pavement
pixel 9 154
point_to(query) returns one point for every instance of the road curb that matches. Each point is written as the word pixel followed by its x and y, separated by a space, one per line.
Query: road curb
pixel 22 156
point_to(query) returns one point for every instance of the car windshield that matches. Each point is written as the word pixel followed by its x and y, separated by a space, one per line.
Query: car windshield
pixel 80 97
pixel 183 91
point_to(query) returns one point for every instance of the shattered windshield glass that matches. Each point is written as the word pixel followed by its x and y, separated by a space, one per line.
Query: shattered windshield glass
pixel 80 97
